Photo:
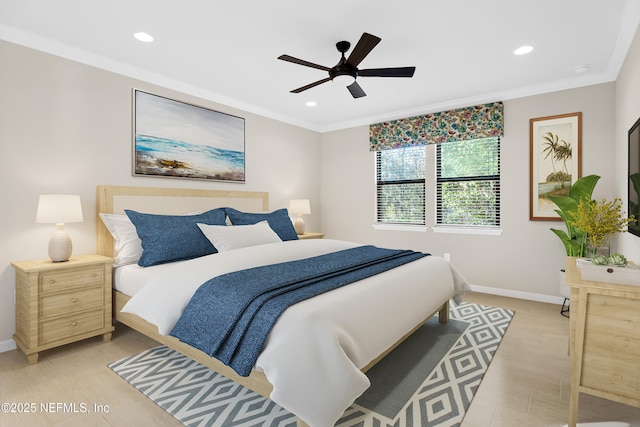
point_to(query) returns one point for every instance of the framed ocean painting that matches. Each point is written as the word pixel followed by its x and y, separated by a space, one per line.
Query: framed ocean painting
pixel 179 140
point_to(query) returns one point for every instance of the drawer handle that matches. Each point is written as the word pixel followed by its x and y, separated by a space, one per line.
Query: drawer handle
pixel 74 299
pixel 74 324
pixel 93 275
pixel 51 281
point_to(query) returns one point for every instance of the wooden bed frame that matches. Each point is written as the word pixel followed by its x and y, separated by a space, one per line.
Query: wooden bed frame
pixel 113 199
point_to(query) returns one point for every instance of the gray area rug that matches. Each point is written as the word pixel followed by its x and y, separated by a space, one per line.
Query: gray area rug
pixel 429 380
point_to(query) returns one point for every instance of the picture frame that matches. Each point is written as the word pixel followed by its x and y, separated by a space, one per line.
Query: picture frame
pixel 175 139
pixel 555 151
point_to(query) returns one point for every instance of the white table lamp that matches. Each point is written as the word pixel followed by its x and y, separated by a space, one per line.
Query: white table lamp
pixel 299 207
pixel 58 209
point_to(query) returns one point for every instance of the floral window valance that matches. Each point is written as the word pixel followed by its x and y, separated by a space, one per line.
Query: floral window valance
pixel 479 121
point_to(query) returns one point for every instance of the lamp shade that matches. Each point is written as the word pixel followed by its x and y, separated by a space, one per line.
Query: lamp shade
pixel 59 208
pixel 299 207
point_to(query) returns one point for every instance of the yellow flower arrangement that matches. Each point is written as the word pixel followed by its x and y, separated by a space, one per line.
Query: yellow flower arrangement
pixel 600 220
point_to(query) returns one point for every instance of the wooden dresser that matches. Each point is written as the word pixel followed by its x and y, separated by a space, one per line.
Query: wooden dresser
pixel 605 340
pixel 61 302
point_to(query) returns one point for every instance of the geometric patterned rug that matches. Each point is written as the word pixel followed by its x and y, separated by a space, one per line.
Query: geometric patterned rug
pixel 197 396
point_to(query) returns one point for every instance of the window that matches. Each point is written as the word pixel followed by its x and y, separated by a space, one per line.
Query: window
pixel 400 185
pixel 468 183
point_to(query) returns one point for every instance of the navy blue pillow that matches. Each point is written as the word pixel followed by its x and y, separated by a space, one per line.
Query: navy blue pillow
pixel 278 220
pixel 167 238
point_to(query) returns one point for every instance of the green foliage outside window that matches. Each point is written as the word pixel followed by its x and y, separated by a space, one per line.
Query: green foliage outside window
pixel 467 184
pixel 400 185
pixel 468 190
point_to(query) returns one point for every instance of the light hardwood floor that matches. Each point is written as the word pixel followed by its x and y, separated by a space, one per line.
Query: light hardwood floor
pixel 526 384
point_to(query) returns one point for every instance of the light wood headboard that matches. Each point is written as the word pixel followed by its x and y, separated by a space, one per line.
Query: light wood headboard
pixel 168 201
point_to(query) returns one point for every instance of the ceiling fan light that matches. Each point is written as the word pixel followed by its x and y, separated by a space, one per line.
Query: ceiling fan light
pixel 344 79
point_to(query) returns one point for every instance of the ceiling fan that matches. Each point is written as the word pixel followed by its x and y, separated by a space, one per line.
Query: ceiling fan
pixel 347 68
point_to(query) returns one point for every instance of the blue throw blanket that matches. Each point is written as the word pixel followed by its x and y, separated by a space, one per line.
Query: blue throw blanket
pixel 230 316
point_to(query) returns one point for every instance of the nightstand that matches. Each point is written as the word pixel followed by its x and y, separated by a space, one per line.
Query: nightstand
pixel 62 302
pixel 311 236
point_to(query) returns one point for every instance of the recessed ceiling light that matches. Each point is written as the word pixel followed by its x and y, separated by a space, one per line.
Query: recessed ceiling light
pixel 522 50
pixel 311 104
pixel 582 68
pixel 143 37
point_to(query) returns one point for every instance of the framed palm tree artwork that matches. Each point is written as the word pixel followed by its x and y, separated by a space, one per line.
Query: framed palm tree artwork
pixel 555 161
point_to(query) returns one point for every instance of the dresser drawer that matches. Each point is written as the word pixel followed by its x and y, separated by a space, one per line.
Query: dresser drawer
pixel 68 302
pixel 66 279
pixel 68 326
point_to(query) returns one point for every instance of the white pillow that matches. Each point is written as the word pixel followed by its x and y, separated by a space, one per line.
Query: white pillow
pixel 226 238
pixel 128 245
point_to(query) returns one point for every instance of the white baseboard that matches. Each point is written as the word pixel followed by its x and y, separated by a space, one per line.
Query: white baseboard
pixel 7 345
pixel 518 294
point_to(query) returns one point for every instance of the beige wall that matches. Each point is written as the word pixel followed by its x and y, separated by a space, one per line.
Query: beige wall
pixel 66 128
pixel 525 259
pixel 627 112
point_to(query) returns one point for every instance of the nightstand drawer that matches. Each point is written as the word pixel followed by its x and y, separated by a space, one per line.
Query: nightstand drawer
pixel 66 279
pixel 75 324
pixel 68 302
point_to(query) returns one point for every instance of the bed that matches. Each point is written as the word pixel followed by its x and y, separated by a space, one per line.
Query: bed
pixel 314 360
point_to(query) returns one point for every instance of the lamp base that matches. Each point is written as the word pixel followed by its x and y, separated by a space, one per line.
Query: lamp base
pixel 60 245
pixel 298 225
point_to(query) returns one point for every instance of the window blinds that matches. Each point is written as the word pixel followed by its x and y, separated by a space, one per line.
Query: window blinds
pixel 468 183
pixel 400 179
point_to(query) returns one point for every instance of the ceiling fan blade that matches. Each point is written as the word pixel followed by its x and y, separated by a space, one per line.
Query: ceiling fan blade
pixel 365 45
pixel 289 58
pixel 310 85
pixel 356 90
pixel 387 72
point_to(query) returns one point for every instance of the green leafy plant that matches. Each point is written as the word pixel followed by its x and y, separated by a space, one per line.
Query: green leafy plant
pixel 599 260
pixel 617 259
pixel 573 238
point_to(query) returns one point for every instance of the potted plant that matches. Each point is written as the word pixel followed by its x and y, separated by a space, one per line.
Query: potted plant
pixel 600 220
pixel 573 238
pixel 589 223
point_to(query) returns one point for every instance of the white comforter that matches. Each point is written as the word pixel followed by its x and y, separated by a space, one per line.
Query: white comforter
pixel 316 349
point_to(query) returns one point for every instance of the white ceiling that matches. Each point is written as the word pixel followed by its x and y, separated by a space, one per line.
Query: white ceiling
pixel 227 51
